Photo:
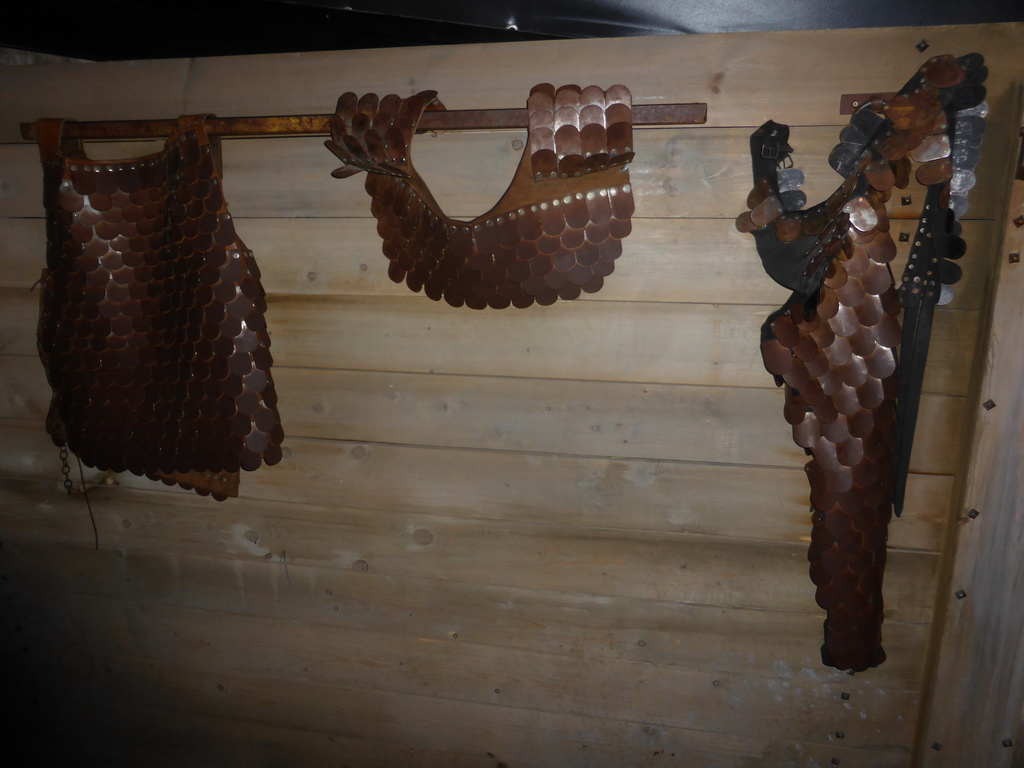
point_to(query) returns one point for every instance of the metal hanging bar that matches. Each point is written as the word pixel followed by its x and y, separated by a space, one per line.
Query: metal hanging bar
pixel 644 115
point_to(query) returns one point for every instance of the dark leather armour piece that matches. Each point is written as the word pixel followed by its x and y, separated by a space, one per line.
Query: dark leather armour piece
pixel 555 233
pixel 151 324
pixel 833 344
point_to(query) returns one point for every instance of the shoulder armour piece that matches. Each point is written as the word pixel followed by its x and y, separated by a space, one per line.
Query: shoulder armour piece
pixel 556 231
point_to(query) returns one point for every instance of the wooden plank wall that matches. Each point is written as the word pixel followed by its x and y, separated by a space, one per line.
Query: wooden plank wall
pixel 564 536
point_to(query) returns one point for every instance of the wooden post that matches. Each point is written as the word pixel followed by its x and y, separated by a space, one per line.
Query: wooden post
pixel 973 713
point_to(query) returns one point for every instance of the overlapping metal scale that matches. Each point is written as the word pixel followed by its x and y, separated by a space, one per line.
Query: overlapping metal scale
pixel 151 325
pixel 838 363
pixel 556 232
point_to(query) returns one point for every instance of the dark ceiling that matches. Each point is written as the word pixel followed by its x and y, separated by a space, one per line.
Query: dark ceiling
pixel 140 29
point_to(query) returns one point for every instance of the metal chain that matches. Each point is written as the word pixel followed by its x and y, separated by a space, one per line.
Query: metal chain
pixel 65 469
pixel 68 485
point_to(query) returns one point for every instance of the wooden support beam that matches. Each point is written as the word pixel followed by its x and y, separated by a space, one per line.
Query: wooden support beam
pixel 972 714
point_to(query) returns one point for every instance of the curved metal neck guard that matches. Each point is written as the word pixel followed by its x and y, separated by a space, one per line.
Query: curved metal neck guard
pixel 556 231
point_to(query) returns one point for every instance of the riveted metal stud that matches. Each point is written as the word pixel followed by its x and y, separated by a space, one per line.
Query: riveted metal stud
pixel 960 594
pixel 973 513
pixel 988 405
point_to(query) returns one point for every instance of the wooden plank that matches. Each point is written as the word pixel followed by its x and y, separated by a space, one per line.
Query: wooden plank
pixel 333 658
pixel 149 716
pixel 370 729
pixel 650 343
pixel 651 495
pixel 542 621
pixel 703 173
pixel 655 343
pixel 679 423
pixel 730 72
pixel 697 260
pixel 656 565
pixel 668 422
pixel 22 251
pixel 145 90
pixel 231 717
pixel 638 342
pixel 979 667
pixel 378 728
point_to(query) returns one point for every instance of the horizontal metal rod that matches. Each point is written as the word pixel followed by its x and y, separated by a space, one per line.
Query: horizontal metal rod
pixel 644 115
